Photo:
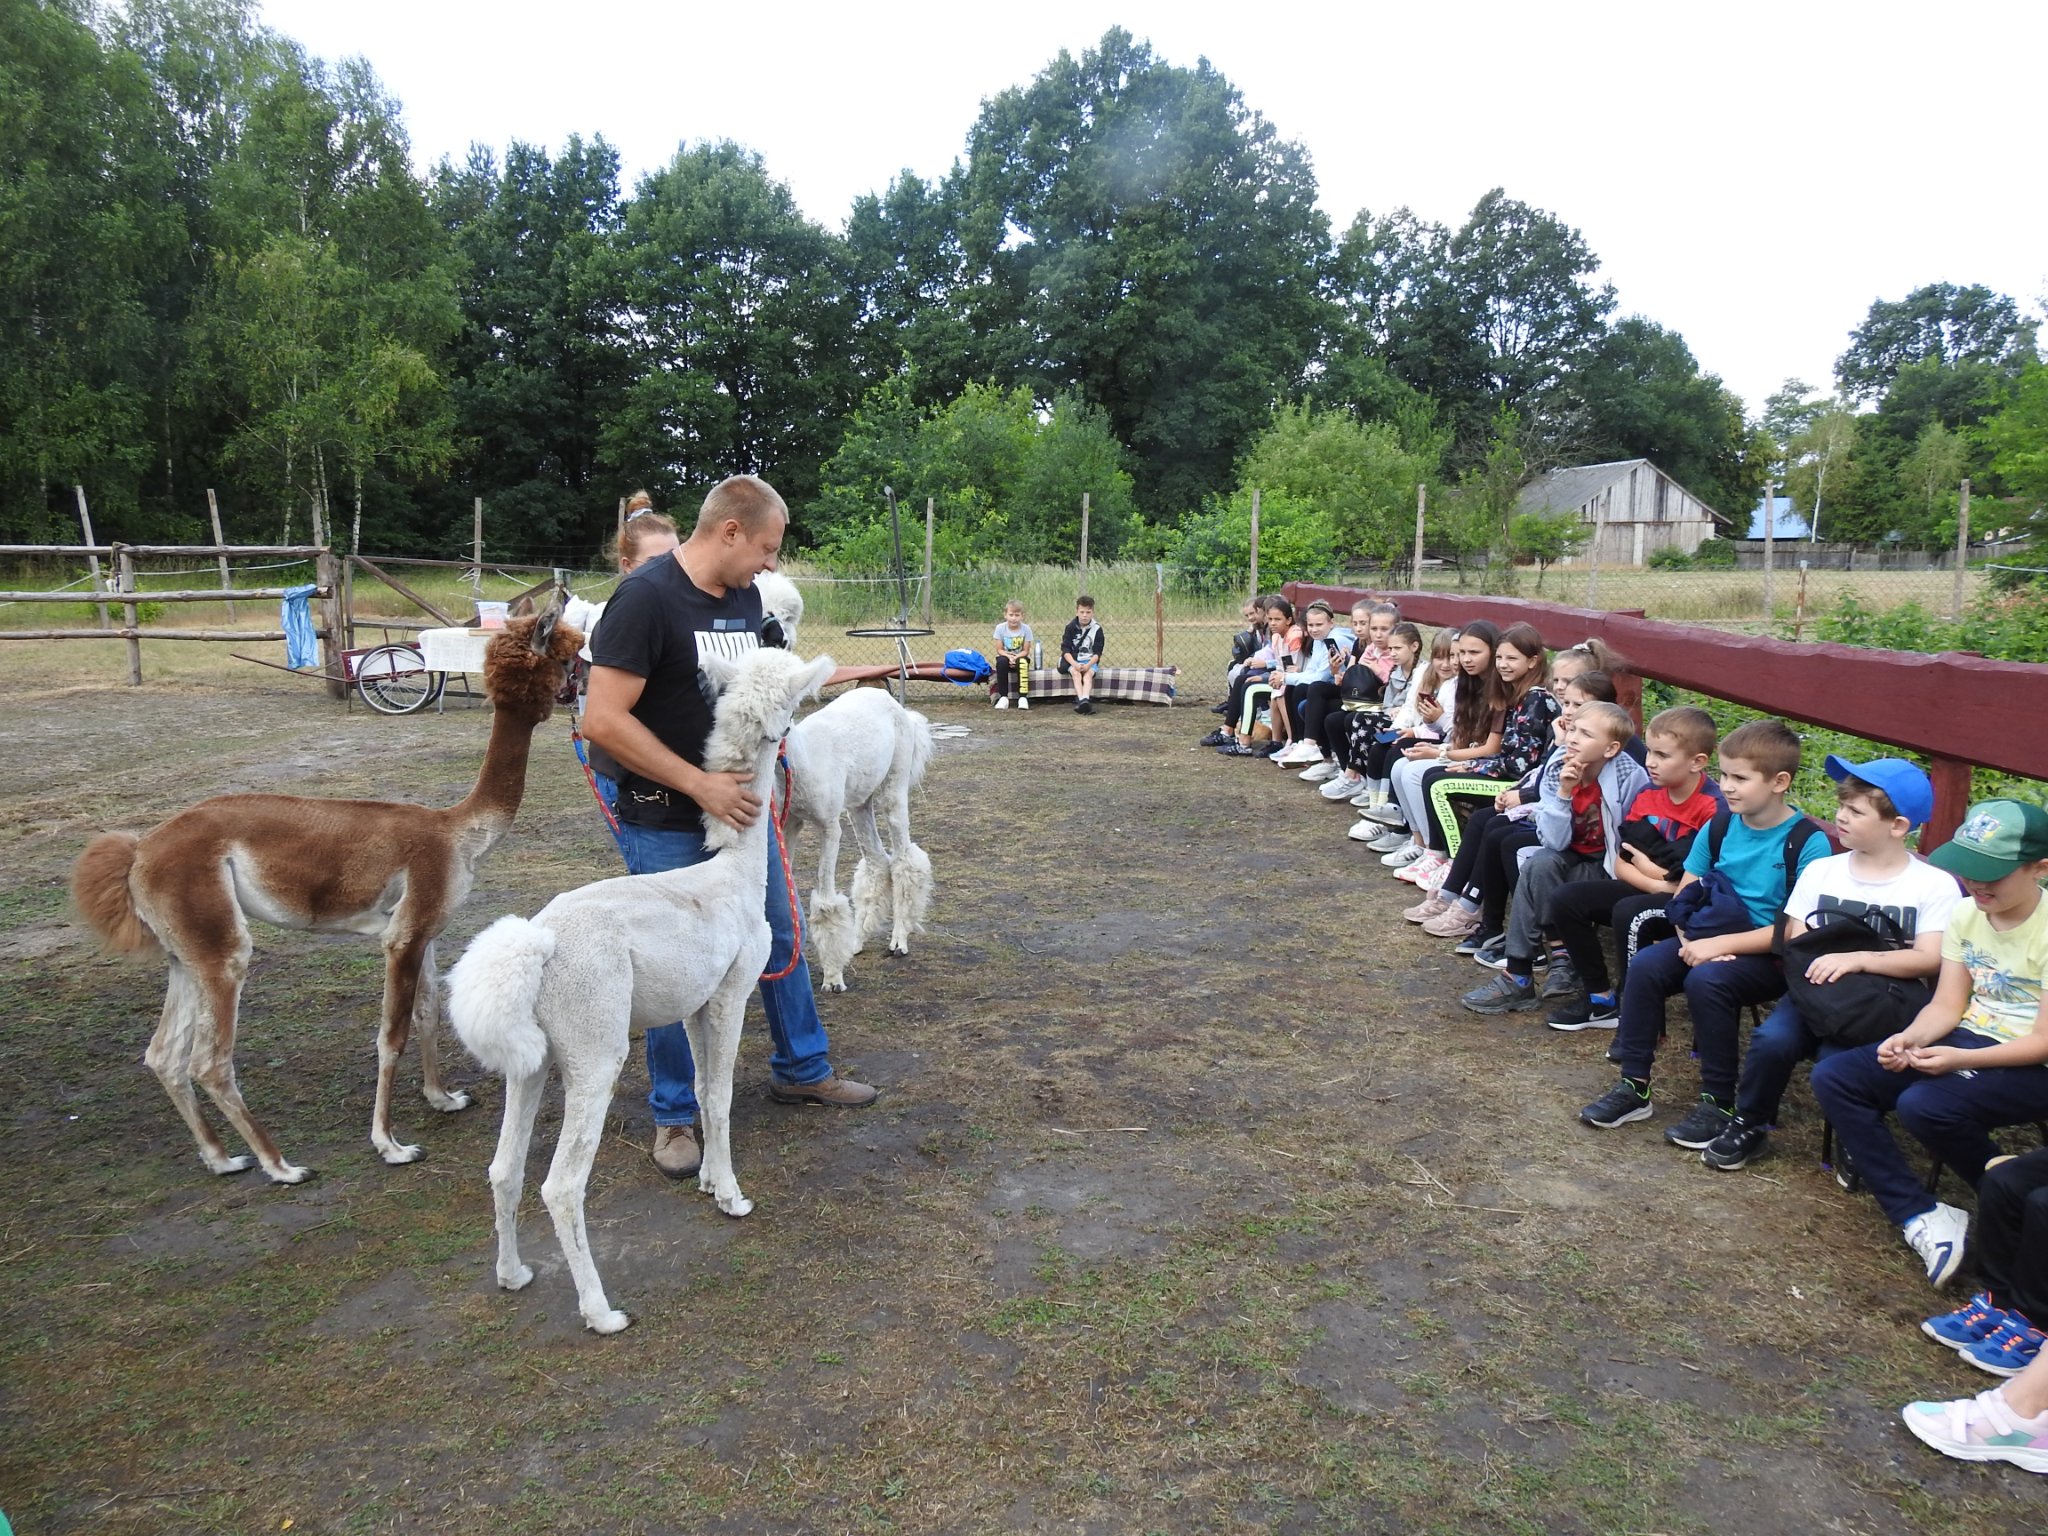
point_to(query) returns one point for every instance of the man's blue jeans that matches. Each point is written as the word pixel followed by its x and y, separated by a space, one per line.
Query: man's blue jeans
pixel 798 1037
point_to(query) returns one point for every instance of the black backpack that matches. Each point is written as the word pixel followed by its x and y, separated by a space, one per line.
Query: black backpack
pixel 1857 1009
pixel 1804 829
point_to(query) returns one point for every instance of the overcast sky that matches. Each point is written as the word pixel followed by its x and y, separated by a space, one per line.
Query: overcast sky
pixel 1751 175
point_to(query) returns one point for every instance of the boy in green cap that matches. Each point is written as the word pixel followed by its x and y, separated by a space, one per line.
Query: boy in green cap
pixel 1973 1059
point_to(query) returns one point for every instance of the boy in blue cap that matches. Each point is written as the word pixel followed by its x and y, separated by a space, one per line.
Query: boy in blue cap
pixel 1878 804
pixel 1972 1059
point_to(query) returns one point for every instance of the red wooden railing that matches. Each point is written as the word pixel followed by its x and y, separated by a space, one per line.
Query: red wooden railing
pixel 1957 709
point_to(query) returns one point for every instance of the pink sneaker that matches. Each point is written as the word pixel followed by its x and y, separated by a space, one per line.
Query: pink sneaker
pixel 1454 922
pixel 1423 868
pixel 1425 909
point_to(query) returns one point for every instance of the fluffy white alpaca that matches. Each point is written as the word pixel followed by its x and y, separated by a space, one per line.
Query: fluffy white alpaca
pixel 781 601
pixel 860 752
pixel 599 964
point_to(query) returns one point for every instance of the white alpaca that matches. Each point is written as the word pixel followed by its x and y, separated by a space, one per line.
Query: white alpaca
pixel 616 957
pixel 781 601
pixel 860 752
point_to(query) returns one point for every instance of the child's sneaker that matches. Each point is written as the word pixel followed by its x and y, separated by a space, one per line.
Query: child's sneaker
pixel 1455 921
pixel 1387 814
pixel 1403 856
pixel 1971 1323
pixel 1342 787
pixel 1381 840
pixel 1368 832
pixel 1003 702
pixel 1317 771
pixel 1493 954
pixel 1562 982
pixel 1585 1012
pixel 1504 994
pixel 1738 1142
pixel 1429 862
pixel 1981 1428
pixel 1702 1125
pixel 2008 1351
pixel 1427 908
pixel 1475 941
pixel 1937 1236
pixel 1023 703
pixel 1627 1100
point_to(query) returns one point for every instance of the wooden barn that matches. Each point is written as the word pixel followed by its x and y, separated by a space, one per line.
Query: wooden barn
pixel 1634 507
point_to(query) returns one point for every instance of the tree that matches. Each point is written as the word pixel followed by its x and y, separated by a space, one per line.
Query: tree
pixel 1545 537
pixel 1642 395
pixel 2016 434
pixel 1940 324
pixel 1133 233
pixel 738 324
pixel 1820 450
pixel 1482 510
pixel 1361 475
pixel 1932 476
pixel 538 367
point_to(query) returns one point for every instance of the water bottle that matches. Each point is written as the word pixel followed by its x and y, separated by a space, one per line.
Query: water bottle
pixel 1037 655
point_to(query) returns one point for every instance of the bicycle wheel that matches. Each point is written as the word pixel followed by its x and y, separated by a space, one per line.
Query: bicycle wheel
pixel 393 681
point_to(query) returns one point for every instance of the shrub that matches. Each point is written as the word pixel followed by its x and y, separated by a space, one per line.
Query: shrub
pixel 1714 555
pixel 1670 559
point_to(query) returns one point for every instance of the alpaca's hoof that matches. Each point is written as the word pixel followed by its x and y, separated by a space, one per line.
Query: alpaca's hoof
pixel 230 1164
pixel 611 1320
pixel 835 983
pixel 398 1152
pixel 289 1173
pixel 448 1103
pixel 734 1204
pixel 901 947
pixel 516 1280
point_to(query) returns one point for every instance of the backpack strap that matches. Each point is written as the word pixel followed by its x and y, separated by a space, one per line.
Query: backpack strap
pixel 1803 831
pixel 1717 834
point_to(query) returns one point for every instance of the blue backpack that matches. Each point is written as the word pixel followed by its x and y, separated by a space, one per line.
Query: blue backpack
pixel 973 663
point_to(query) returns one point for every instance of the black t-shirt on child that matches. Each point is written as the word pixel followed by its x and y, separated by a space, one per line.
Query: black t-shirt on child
pixel 656 626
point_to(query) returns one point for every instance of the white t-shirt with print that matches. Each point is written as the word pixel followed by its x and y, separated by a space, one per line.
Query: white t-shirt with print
pixel 1918 898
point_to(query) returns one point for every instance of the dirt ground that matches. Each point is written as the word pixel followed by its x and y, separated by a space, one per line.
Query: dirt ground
pixel 1192 1203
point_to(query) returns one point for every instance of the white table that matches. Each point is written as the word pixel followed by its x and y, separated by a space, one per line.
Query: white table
pixel 455 650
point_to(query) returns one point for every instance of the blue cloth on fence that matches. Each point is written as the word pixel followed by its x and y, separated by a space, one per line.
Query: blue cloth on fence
pixel 301 648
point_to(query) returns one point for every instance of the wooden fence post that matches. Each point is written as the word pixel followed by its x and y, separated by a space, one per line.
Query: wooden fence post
pixel 327 571
pixel 477 581
pixel 213 510
pixel 1962 552
pixel 1421 503
pixel 1255 543
pixel 93 561
pixel 1951 779
pixel 124 576
pixel 929 507
pixel 1770 550
pixel 1593 559
pixel 1159 613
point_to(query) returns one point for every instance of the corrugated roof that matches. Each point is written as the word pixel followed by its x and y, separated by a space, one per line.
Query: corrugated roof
pixel 1567 490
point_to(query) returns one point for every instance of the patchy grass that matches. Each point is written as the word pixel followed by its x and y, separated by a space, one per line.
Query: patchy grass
pixel 1193 1204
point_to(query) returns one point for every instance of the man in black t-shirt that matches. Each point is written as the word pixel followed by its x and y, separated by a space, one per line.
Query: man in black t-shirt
pixel 648 708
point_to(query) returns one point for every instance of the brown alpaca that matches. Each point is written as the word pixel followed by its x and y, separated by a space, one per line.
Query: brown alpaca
pixel 397 871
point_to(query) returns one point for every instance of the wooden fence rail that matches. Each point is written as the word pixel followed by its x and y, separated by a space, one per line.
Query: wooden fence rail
pixel 1957 709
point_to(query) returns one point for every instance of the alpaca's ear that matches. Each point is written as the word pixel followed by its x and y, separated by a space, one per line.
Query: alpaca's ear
pixel 817 675
pixel 720 671
pixel 543 631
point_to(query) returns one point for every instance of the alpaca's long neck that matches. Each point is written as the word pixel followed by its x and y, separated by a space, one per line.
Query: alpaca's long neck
pixel 723 756
pixel 501 783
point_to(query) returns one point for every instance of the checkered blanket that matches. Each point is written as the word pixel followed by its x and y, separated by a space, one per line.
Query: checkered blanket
pixel 1130 685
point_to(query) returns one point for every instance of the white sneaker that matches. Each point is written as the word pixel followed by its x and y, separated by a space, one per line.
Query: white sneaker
pixel 1365 832
pixel 1023 703
pixel 1290 757
pixel 1402 856
pixel 1386 842
pixel 1003 702
pixel 1316 773
pixel 1938 1237
pixel 1366 799
pixel 1342 787
pixel 1388 815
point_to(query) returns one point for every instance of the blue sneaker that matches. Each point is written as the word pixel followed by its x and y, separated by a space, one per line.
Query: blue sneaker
pixel 2008 1351
pixel 1971 1323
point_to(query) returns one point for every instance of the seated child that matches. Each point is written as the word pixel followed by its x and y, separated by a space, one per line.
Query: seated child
pixel 1757 848
pixel 1879 804
pixel 1415 712
pixel 1972 1059
pixel 1994 1329
pixel 1255 682
pixel 1666 817
pixel 1013 658
pixel 1242 646
pixel 1081 652
pixel 1578 825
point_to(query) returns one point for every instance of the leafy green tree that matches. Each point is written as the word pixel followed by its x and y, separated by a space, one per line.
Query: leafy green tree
pixel 89 229
pixel 1295 539
pixel 1134 234
pixel 1482 509
pixel 907 268
pixel 1641 395
pixel 738 323
pixel 1545 538
pixel 1940 323
pixel 2016 434
pixel 1362 475
pixel 537 367
pixel 1932 476
pixel 1818 452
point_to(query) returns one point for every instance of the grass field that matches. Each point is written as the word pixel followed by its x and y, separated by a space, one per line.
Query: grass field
pixel 1193 1204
